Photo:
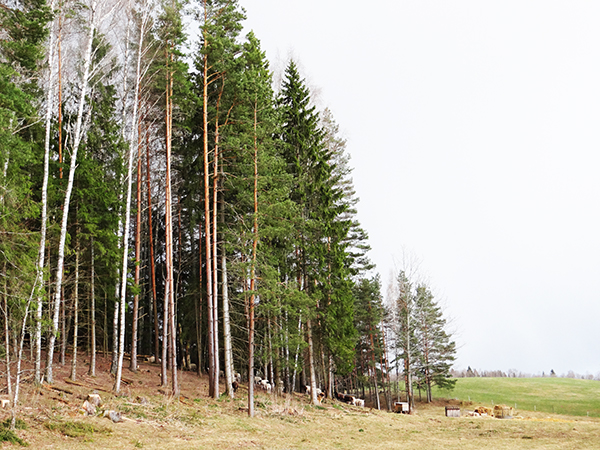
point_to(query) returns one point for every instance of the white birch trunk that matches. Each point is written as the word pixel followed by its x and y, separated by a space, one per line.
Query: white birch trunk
pixel 75 314
pixel 115 343
pixel 63 230
pixel 7 340
pixel 132 141
pixel 19 351
pixel 44 220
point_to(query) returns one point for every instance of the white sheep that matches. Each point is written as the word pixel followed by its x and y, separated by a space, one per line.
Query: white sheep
pixel 318 391
pixel 358 402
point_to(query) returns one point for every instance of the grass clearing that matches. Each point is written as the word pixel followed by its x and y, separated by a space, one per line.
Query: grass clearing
pixel 550 395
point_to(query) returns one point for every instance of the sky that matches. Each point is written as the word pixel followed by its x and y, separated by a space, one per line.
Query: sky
pixel 474 132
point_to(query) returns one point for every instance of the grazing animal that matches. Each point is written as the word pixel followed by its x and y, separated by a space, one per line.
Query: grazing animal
pixel 318 391
pixel 320 397
pixel 345 398
pixel 280 388
pixel 359 402
pixel 265 385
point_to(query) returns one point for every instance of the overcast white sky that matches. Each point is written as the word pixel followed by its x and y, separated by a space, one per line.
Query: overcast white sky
pixel 474 131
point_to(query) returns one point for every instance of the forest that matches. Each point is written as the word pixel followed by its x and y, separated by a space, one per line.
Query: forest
pixel 161 197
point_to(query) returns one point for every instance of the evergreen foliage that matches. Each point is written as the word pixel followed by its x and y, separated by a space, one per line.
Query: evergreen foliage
pixel 264 212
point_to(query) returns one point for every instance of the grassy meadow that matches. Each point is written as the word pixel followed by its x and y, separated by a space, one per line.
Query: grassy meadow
pixel 550 395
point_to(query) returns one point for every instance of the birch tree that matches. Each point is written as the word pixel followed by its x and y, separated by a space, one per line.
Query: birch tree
pixel 44 194
pixel 77 138
pixel 132 150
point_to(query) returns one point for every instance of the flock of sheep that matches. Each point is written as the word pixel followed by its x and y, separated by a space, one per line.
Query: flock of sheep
pixel 269 387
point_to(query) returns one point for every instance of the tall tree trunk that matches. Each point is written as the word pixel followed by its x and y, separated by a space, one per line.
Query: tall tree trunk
pixel 44 205
pixel 7 334
pixel 297 354
pixel 311 363
pixel 138 247
pixel 375 384
pixel 227 328
pixel 384 363
pixel 373 361
pixel 213 388
pixel 408 371
pixel 75 312
pixel 19 353
pixel 169 288
pixel 151 244
pixel 253 277
pixel 64 328
pixel 132 141
pixel 92 370
pixel 63 233
pixel 214 253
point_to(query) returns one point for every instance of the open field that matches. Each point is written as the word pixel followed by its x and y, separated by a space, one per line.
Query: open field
pixel 550 395
pixel 153 420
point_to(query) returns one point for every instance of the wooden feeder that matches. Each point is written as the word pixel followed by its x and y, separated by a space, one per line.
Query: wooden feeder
pixel 452 411
pixel 401 407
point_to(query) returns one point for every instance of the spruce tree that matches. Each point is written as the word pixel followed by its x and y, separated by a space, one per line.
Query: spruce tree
pixel 21 52
pixel 436 349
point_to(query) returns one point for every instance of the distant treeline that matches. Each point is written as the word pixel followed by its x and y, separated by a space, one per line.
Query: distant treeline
pixel 513 373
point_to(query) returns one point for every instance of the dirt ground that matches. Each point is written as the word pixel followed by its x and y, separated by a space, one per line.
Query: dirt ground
pixel 153 419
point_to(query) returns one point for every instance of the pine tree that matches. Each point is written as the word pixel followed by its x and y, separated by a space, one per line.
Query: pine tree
pixel 256 190
pixel 217 71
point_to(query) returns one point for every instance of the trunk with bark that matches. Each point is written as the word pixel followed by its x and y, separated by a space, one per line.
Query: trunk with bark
pixel 76 141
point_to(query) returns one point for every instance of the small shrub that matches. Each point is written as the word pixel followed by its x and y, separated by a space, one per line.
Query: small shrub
pixel 76 429
pixel 19 424
pixel 7 435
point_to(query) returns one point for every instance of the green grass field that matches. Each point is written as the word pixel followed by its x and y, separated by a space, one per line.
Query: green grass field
pixel 551 395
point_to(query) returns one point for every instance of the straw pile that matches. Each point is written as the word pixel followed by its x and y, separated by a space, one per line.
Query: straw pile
pixel 483 410
pixel 503 412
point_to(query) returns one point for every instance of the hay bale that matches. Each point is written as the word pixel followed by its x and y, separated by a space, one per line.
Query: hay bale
pixel 503 412
pixel 481 410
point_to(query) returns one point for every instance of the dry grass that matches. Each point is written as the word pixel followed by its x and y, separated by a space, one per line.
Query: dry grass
pixel 196 421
